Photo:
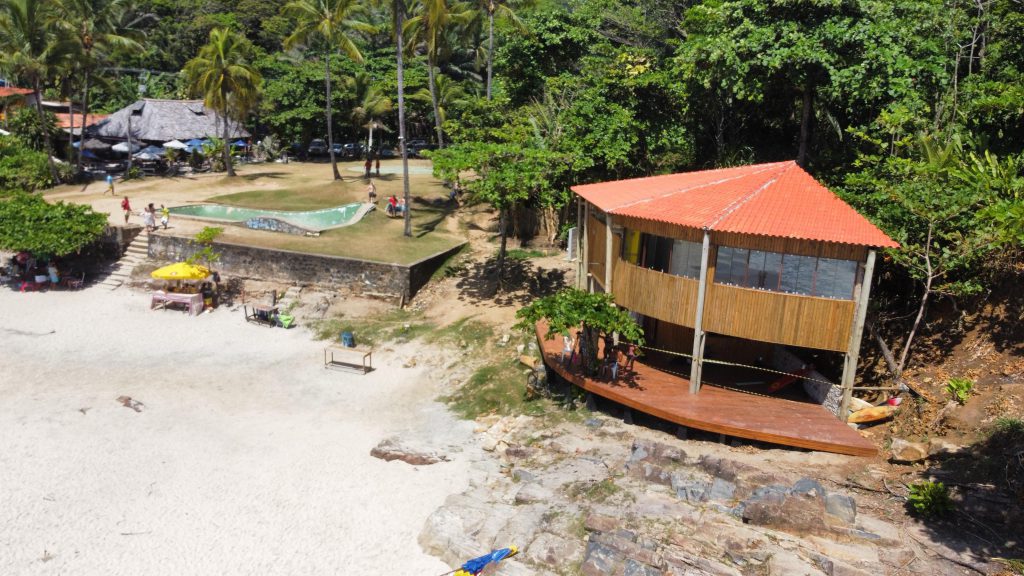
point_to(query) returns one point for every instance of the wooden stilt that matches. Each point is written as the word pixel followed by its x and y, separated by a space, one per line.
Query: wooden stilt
pixel 862 294
pixel 697 365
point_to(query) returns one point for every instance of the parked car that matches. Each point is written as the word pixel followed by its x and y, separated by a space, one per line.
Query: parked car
pixel 353 150
pixel 317 147
pixel 338 151
pixel 417 149
pixel 387 153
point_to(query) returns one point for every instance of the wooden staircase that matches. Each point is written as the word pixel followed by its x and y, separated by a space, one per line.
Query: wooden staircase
pixel 120 272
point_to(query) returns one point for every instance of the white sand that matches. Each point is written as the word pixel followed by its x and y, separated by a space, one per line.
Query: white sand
pixel 247 458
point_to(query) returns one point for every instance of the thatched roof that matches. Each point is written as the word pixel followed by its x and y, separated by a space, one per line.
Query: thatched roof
pixel 164 120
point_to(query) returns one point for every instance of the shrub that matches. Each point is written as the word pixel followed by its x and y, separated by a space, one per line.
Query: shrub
pixel 22 168
pixel 930 499
pixel 959 389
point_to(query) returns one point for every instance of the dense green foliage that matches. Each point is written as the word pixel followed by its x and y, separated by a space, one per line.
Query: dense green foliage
pixel 911 111
pixel 594 313
pixel 29 223
pixel 21 167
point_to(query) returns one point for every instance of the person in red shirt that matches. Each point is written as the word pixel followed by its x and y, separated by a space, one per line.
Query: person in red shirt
pixel 377 161
pixel 127 207
pixel 369 164
pixel 392 205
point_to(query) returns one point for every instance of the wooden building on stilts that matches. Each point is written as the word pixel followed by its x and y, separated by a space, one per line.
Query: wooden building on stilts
pixel 730 271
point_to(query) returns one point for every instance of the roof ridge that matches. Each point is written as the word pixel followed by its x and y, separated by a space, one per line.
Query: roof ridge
pixel 763 168
pixel 736 204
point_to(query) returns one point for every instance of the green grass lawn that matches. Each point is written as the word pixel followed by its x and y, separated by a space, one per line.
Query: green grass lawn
pixel 376 237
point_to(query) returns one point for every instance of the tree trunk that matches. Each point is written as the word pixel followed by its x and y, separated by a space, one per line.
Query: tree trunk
pixel 805 123
pixel 490 46
pixel 46 133
pixel 399 16
pixel 330 129
pixel 503 231
pixel 433 98
pixel 85 117
pixel 227 149
pixel 929 276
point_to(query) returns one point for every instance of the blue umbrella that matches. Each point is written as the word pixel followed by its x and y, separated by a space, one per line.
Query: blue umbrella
pixel 239 143
pixel 196 142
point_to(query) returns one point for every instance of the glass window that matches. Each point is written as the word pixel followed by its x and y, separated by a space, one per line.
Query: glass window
pixel 755 270
pixel 846 278
pixel 797 274
pixel 825 281
pixel 686 259
pixel 731 265
pixel 772 271
pixel 790 273
pixel 631 246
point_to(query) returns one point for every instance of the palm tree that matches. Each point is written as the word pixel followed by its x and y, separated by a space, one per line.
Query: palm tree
pixel 98 29
pixel 30 47
pixel 398 9
pixel 333 21
pixel 228 83
pixel 449 92
pixel 428 27
pixel 368 102
pixel 502 10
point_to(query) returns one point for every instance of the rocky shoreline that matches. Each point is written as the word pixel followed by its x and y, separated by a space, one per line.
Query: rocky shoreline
pixel 602 498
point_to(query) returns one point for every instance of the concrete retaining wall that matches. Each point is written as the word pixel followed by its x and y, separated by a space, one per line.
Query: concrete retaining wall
pixel 349 275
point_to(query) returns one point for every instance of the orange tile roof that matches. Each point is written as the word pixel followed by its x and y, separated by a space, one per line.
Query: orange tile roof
pixel 6 91
pixel 64 119
pixel 779 200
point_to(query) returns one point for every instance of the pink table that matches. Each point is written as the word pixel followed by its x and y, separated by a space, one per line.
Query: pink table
pixel 193 302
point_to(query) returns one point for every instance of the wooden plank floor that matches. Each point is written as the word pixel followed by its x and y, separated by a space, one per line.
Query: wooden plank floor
pixel 719 410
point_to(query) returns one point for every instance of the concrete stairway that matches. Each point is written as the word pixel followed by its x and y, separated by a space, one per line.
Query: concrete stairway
pixel 290 297
pixel 119 272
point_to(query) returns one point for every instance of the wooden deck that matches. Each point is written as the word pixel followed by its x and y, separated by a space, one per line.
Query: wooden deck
pixel 719 410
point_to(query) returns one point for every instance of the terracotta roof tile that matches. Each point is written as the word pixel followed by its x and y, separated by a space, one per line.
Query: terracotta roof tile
pixel 6 91
pixel 779 200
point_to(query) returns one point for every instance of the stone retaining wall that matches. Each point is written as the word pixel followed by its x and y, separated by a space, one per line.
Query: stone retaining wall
pixel 349 275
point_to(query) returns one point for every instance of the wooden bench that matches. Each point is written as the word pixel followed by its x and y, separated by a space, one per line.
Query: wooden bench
pixel 351 359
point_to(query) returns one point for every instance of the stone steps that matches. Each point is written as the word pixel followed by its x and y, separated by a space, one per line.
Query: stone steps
pixel 121 271
pixel 289 298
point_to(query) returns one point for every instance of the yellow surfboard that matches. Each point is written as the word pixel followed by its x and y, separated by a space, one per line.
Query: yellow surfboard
pixel 872 414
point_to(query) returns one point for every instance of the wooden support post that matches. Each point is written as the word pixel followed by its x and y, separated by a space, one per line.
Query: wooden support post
pixel 585 255
pixel 581 241
pixel 681 432
pixel 591 402
pixel 627 416
pixel 862 292
pixel 607 253
pixel 697 363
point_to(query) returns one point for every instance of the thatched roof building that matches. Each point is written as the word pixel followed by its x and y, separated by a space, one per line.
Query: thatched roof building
pixel 165 120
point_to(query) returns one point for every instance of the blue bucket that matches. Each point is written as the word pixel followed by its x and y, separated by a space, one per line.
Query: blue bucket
pixel 348 339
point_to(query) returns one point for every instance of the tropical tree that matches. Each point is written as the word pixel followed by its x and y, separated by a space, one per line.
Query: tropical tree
pixel 98 30
pixel 30 49
pixel 29 223
pixel 428 28
pixel 506 175
pixel 592 313
pixel 333 21
pixel 221 73
pixel 501 9
pixel 449 92
pixel 398 10
pixel 368 103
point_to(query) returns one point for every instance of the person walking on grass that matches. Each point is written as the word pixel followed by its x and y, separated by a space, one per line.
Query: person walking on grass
pixel 371 191
pixel 368 164
pixel 127 207
pixel 378 165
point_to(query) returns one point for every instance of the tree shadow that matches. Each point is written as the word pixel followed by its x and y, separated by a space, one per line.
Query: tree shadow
pixel 437 211
pixel 986 483
pixel 521 283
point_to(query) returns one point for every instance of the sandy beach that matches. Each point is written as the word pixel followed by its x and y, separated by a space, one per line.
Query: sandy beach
pixel 247 457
